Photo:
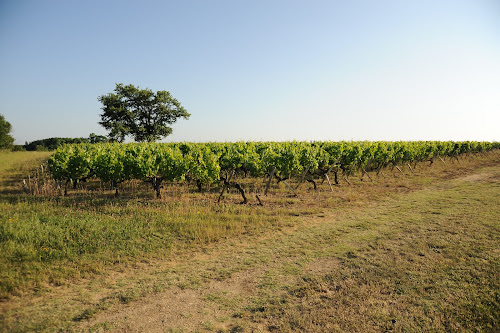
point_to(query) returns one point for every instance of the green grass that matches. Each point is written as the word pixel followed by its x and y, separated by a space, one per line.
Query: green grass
pixel 56 240
pixel 16 165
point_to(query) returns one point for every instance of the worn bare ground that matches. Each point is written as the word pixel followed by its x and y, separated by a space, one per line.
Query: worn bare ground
pixel 209 306
pixel 483 176
pixel 190 309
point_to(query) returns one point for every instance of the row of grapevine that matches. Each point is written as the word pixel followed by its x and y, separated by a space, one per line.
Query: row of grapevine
pixel 206 163
pixel 115 163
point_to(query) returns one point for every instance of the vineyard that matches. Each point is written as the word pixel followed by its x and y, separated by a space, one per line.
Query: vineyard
pixel 370 236
pixel 206 164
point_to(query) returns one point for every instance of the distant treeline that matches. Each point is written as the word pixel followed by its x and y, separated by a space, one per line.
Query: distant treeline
pixel 54 143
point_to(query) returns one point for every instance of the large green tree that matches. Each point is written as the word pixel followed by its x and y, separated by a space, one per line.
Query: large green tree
pixel 6 140
pixel 140 113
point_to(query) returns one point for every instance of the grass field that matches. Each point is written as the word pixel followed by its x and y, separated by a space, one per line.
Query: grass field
pixel 412 252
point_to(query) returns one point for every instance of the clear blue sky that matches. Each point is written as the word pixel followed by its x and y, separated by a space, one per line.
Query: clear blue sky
pixel 258 70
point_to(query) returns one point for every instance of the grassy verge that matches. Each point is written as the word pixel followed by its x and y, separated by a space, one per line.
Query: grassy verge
pixel 53 241
pixel 16 165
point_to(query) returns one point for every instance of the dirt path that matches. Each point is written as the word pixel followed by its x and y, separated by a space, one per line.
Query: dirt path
pixel 227 288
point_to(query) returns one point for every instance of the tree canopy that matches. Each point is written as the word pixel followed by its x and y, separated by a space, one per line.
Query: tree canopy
pixel 139 113
pixel 52 143
pixel 6 140
pixel 94 138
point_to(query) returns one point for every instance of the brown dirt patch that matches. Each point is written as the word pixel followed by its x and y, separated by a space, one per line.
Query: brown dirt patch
pixel 482 177
pixel 322 266
pixel 183 309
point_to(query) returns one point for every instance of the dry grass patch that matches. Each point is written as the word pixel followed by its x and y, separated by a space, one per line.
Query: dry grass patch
pixel 431 263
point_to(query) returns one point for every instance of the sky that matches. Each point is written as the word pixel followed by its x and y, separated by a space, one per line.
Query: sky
pixel 258 70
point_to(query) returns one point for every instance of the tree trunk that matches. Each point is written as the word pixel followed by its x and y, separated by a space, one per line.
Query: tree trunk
pixel 310 180
pixel 280 179
pixel 242 192
pixel 157 186
pixel 227 185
